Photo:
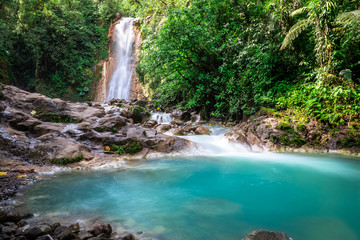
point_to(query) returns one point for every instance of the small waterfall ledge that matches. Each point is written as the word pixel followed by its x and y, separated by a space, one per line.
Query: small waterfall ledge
pixel 108 66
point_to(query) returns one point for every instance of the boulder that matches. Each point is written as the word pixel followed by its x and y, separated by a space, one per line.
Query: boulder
pixel 201 130
pixel 162 128
pixel 110 122
pixel 99 228
pixel 177 131
pixel 84 235
pixel 34 232
pixel 266 235
pixel 63 233
pixel 139 114
pixel 150 124
pixel 190 128
pixel 128 237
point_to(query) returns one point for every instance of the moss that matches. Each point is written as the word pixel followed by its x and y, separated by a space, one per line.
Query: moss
pixel 55 117
pixel 139 114
pixel 117 149
pixel 265 112
pixel 133 147
pixel 289 140
pixel 284 126
pixel 64 161
pixel 301 128
pixel 289 137
pixel 334 132
pixel 2 97
pixel 278 115
pixel 100 129
pixel 351 141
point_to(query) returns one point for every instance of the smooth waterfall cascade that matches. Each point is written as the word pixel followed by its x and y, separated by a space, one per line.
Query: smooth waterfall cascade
pixel 119 85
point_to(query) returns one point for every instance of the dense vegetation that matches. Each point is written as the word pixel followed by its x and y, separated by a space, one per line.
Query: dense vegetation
pixel 224 58
pixel 51 46
pixel 230 58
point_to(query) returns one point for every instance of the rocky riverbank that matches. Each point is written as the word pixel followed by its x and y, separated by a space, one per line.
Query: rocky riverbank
pixel 43 131
pixel 15 226
pixel 270 132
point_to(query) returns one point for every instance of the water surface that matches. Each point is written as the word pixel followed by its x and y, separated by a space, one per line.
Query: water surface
pixel 309 197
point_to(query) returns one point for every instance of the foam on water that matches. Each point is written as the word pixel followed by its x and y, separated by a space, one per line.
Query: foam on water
pixel 161 117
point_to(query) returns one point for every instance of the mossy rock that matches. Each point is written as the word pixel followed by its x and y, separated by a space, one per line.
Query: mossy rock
pixel 133 147
pixel 139 114
pixel 2 97
pixel 284 126
pixel 301 128
pixel 350 141
pixel 55 117
pixel 64 161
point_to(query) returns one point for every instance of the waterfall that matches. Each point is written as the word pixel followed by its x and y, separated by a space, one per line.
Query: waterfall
pixel 120 82
pixel 161 117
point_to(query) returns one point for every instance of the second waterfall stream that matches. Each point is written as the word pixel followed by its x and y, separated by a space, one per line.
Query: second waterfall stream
pixel 120 82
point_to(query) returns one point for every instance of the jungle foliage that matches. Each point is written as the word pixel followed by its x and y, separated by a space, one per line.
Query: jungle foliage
pixel 223 58
pixel 229 58
pixel 51 46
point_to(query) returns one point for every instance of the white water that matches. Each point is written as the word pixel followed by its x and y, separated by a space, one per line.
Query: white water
pixel 161 117
pixel 216 144
pixel 119 85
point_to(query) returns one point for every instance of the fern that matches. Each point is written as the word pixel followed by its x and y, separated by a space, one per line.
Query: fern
pixel 294 32
pixel 349 18
pixel 299 11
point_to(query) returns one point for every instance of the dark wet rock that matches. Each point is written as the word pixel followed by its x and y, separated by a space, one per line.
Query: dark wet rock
pixel 185 116
pixel 266 235
pixel 94 238
pixel 34 232
pixel 75 227
pixel 128 237
pixel 63 233
pixel 55 225
pixel 138 114
pixel 100 227
pixel 22 223
pixel 84 235
pixel 9 217
pixel 44 237
pixel 10 224
pixel 4 236
pixel 8 230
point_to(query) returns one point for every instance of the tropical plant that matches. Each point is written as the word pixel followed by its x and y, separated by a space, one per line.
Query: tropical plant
pixel 325 20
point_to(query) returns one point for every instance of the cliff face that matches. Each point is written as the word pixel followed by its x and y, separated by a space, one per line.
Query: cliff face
pixel 137 90
pixel 107 67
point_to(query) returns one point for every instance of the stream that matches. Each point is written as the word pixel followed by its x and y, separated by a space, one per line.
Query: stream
pixel 222 192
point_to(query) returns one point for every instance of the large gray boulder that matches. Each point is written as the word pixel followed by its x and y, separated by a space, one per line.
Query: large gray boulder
pixel 266 235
